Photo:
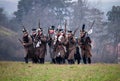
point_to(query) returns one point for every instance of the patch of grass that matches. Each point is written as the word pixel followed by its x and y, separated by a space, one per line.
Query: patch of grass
pixel 19 71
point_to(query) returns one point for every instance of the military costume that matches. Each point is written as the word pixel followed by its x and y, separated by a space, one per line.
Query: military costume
pixel 51 32
pixel 85 44
pixel 33 35
pixel 70 44
pixel 59 49
pixel 28 45
pixel 40 45
pixel 61 46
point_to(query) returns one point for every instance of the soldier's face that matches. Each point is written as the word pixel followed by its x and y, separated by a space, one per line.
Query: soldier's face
pixel 62 33
pixel 39 33
pixel 81 34
pixel 51 31
pixel 69 34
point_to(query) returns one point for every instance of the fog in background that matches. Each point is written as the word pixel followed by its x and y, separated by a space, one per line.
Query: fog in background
pixel 105 36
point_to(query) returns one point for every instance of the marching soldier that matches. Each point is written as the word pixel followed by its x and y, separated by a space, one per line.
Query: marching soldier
pixel 28 45
pixel 50 43
pixel 40 46
pixel 85 44
pixel 70 44
pixel 59 47
pixel 33 35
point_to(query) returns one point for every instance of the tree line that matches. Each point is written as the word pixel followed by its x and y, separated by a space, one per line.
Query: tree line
pixel 55 12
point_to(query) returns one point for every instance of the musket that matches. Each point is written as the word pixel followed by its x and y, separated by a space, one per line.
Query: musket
pixel 23 27
pixel 48 32
pixel 75 31
pixel 65 27
pixel 39 23
pixel 91 28
pixel 21 41
pixel 92 24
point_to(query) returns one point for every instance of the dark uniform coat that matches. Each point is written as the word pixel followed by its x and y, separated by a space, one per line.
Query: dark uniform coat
pixel 41 46
pixel 85 45
pixel 59 49
pixel 28 45
pixel 70 44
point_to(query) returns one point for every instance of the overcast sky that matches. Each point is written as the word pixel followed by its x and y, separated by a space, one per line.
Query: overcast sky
pixel 11 5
